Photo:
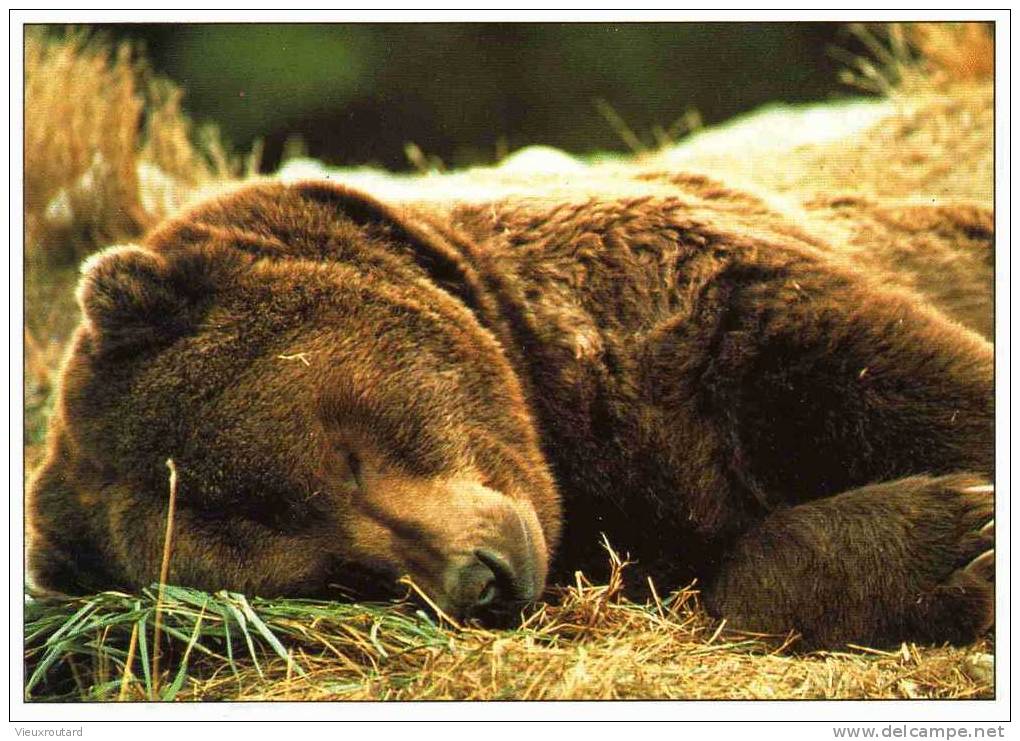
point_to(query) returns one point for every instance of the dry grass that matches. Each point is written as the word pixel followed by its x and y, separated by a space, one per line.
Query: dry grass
pixel 98 124
pixel 108 152
pixel 588 642
pixel 912 58
pixel 955 52
pixel 50 317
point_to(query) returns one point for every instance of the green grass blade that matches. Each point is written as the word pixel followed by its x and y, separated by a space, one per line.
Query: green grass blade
pixel 101 622
pixel 170 692
pixel 373 636
pixel 72 621
pixel 143 651
pixel 184 638
pixel 229 641
pixel 53 653
pixel 184 595
pixel 243 625
pixel 104 692
pixel 271 639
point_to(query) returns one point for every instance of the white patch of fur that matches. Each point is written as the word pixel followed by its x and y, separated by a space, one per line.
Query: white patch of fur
pixel 587 345
pixel 982 489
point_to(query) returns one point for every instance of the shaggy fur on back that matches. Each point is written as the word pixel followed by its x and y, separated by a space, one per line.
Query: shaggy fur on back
pixel 692 365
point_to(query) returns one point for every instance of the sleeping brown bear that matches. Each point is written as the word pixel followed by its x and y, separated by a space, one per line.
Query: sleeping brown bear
pixel 471 392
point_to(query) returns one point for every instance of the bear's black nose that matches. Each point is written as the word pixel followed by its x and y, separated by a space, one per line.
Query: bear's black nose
pixel 488 585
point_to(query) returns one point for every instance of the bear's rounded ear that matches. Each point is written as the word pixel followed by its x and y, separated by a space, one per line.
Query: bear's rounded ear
pixel 129 295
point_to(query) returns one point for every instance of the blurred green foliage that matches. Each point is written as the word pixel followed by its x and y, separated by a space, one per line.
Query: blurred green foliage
pixel 251 75
pixel 467 92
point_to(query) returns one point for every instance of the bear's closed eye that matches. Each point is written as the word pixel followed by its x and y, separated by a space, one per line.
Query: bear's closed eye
pixel 717 423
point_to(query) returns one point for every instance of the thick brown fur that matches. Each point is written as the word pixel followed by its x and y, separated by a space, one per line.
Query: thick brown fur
pixel 789 399
pixel 685 366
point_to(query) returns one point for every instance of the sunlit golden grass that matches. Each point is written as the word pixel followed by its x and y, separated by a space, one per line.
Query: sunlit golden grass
pixel 912 58
pixel 96 123
pixel 588 642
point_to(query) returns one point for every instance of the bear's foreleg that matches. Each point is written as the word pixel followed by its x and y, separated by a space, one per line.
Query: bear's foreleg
pixel 909 559
pixel 844 414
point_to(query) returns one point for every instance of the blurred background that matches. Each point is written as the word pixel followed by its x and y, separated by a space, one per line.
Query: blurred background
pixel 462 94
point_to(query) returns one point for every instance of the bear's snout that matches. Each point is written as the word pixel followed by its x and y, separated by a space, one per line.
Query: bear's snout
pixel 499 563
pixel 491 585
pixel 473 551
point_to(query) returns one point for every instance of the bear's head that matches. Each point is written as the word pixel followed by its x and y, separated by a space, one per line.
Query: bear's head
pixel 335 425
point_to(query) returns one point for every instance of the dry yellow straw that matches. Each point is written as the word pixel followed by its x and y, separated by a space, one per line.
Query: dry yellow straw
pixel 126 679
pixel 428 600
pixel 164 574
